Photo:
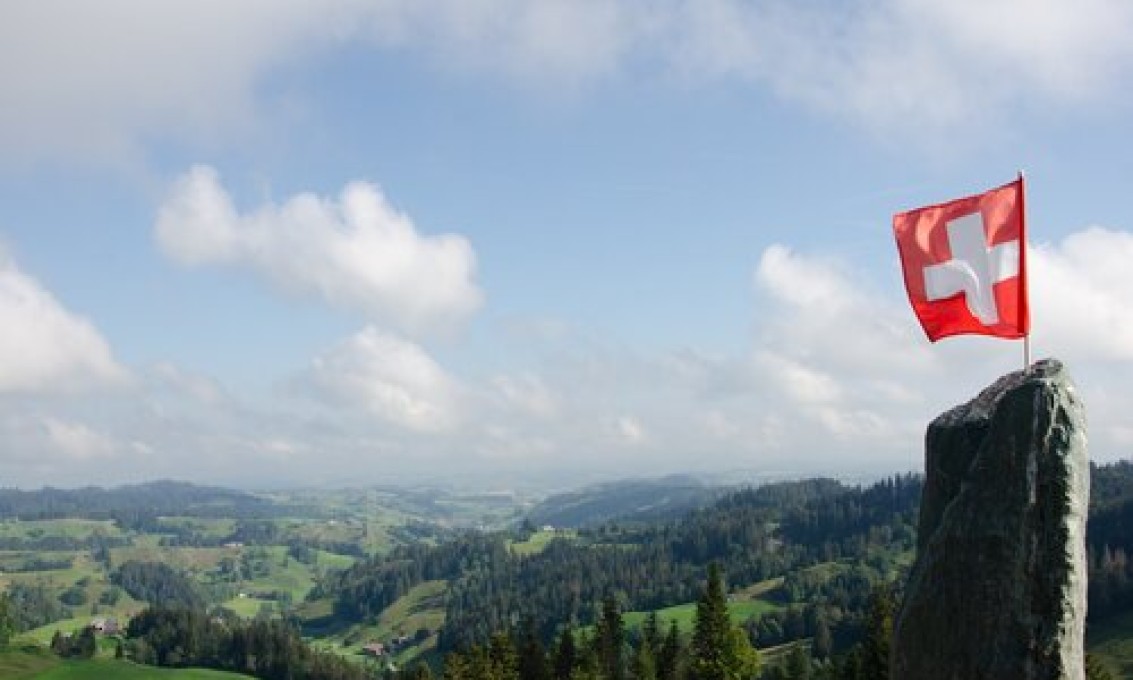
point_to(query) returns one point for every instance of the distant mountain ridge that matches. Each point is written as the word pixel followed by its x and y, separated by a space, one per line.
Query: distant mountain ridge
pixel 93 502
pixel 625 500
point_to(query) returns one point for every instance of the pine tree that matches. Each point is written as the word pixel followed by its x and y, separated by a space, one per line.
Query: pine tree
pixel 879 632
pixel 7 625
pixel 651 633
pixel 644 662
pixel 532 656
pixel 609 640
pixel 668 662
pixel 720 650
pixel 566 656
pixel 823 640
pixel 503 659
pixel 86 645
pixel 798 666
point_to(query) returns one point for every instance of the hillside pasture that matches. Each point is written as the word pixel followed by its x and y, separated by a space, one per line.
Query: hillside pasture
pixel 538 541
pixel 79 529
pixel 423 607
pixel 685 614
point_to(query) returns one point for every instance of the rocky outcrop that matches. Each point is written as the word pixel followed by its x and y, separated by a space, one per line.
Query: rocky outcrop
pixel 998 590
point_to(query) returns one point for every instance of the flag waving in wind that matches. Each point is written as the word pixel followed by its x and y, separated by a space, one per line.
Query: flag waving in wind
pixel 965 264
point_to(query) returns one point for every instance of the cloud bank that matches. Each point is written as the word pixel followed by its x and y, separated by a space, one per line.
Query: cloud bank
pixel 111 75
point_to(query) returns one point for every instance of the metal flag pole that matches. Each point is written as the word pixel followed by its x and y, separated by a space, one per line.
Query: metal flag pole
pixel 1023 293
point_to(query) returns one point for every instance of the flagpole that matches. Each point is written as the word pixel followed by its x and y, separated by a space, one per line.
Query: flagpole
pixel 1025 308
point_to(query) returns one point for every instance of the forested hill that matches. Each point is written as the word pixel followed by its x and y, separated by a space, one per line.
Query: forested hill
pixel 627 500
pixel 753 534
pixel 153 498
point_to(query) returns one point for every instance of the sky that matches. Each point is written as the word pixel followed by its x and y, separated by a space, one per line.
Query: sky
pixel 282 243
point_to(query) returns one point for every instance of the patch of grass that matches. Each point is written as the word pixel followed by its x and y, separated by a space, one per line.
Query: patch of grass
pixel 100 669
pixel 684 614
pixel 422 607
pixel 760 589
pixel 246 607
pixel 539 540
pixel 29 661
pixel 43 634
pixel 26 660
pixel 329 560
pixel 1112 642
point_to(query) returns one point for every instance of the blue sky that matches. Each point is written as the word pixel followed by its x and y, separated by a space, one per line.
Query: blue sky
pixel 518 241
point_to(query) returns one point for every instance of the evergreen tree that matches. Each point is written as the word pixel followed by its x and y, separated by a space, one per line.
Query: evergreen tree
pixel 823 640
pixel 879 632
pixel 651 633
pixel 7 625
pixel 644 665
pixel 798 666
pixel 456 667
pixel 532 656
pixel 504 662
pixel 86 645
pixel 720 650
pixel 668 662
pixel 610 639
pixel 565 655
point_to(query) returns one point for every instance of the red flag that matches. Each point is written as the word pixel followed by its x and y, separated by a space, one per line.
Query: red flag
pixel 965 264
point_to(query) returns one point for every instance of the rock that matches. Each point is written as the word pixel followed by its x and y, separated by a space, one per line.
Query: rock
pixel 998 589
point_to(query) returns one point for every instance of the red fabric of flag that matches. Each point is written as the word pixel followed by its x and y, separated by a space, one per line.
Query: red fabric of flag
pixel 965 264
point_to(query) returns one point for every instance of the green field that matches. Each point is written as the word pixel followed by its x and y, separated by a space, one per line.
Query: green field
pixel 684 614
pixel 31 662
pixel 539 540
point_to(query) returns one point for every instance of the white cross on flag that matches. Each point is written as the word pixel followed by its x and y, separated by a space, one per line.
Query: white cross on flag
pixel 965 264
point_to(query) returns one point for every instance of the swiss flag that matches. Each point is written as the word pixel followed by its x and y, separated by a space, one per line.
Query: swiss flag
pixel 965 264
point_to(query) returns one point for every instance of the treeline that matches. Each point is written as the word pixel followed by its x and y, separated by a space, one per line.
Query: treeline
pixel 246 532
pixel 753 534
pixel 269 649
pixel 1110 540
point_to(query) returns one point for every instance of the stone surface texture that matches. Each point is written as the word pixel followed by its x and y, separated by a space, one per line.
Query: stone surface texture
pixel 998 590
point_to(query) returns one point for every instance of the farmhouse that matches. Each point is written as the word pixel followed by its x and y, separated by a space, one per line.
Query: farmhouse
pixel 374 649
pixel 105 626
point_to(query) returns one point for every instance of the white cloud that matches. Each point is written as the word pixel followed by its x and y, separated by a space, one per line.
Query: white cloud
pixel 629 430
pixel 113 75
pixel 1082 295
pixel 356 252
pixel 388 377
pixel 526 393
pixel 77 440
pixel 802 383
pixel 44 347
